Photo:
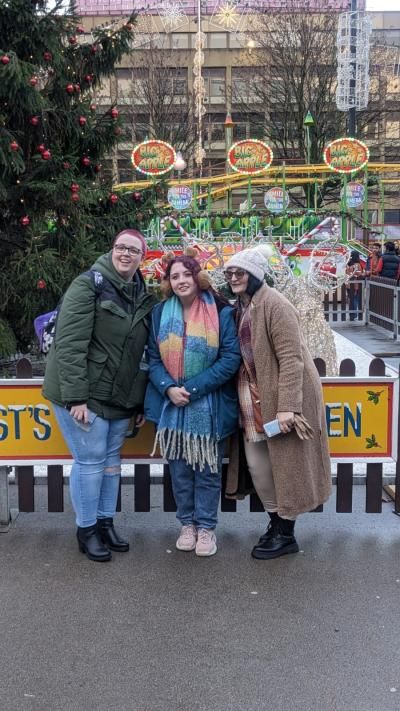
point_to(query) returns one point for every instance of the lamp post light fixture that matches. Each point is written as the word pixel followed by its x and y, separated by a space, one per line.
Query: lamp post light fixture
pixel 250 45
pixel 180 163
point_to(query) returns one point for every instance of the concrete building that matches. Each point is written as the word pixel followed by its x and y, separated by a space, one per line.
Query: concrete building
pixel 229 51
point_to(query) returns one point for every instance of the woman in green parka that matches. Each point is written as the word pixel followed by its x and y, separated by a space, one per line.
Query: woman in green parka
pixel 96 377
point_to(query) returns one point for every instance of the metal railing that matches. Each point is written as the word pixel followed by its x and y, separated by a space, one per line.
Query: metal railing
pixel 379 305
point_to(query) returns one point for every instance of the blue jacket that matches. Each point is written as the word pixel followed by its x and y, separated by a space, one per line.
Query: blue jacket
pixel 217 379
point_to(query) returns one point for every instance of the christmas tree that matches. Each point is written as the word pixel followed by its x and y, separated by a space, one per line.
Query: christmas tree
pixel 57 210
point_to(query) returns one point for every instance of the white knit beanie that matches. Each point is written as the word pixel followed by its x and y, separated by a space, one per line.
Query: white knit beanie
pixel 252 260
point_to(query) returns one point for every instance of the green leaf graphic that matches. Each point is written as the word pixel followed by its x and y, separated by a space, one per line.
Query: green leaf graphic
pixel 374 396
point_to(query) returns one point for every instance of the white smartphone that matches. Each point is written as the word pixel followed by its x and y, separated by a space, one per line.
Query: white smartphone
pixel 272 428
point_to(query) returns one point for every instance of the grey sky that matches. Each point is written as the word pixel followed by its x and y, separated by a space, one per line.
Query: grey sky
pixel 380 5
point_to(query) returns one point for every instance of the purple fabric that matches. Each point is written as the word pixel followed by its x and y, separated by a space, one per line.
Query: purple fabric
pixel 41 321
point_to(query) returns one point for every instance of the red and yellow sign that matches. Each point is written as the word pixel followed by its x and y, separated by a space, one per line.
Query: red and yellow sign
pixel 361 418
pixel 153 157
pixel 346 155
pixel 250 156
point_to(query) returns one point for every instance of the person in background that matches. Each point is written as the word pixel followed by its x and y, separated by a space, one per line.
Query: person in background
pixel 355 271
pixel 277 381
pixel 96 379
pixel 371 267
pixel 388 265
pixel 191 397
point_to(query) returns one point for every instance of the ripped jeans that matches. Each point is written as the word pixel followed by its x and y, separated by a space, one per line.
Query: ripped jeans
pixel 96 471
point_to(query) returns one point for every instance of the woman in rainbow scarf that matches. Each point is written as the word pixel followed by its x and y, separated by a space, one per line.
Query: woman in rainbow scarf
pixel 193 354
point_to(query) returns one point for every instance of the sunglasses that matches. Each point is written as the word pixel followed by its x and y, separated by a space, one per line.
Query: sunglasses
pixel 237 273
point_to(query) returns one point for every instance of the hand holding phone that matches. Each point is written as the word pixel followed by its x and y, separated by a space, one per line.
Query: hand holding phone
pixel 272 428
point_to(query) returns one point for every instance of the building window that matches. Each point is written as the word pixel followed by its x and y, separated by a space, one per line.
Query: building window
pixel 245 81
pixel 140 127
pixel 214 131
pixel 179 81
pixel 180 40
pixel 393 126
pixel 217 40
pixel 215 83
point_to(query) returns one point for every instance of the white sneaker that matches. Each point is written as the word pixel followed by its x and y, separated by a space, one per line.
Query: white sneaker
pixel 206 542
pixel 187 538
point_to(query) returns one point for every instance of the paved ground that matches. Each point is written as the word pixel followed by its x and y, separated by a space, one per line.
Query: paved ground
pixel 160 630
pixel 376 342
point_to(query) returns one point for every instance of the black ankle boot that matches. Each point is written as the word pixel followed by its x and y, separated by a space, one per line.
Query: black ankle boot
pixel 278 540
pixel 269 533
pixel 90 543
pixel 110 537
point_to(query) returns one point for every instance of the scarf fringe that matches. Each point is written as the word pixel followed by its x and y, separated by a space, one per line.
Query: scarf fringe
pixel 196 450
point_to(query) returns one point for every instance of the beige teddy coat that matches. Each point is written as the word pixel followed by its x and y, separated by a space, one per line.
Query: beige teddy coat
pixel 288 382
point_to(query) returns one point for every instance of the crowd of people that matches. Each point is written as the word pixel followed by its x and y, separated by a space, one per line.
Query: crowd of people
pixel 378 264
pixel 216 377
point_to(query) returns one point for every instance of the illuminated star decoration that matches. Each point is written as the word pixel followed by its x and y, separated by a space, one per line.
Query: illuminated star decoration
pixel 227 15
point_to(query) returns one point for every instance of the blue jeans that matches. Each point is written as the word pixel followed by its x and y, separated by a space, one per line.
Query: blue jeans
pixel 196 493
pixel 96 471
pixel 355 303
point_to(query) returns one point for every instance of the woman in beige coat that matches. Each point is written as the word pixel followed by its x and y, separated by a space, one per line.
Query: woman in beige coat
pixel 277 381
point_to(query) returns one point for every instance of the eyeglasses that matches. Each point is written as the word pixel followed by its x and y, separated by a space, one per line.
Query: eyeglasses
pixel 132 251
pixel 238 274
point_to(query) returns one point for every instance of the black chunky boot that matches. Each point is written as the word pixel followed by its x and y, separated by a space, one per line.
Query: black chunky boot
pixel 90 543
pixel 270 532
pixel 278 540
pixel 110 537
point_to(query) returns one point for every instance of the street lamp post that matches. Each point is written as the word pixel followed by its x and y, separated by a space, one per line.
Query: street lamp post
pixel 229 124
pixel 308 123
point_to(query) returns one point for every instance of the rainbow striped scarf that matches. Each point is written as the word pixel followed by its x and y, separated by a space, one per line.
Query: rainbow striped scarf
pixel 186 432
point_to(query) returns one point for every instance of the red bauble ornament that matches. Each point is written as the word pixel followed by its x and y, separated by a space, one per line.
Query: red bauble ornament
pixel 14 146
pixel 75 197
pixel 77 88
pixel 80 30
pixel 25 221
pixel 93 107
pixel 72 40
pixel 34 120
pixel 33 81
pixel 129 26
pixel 86 161
pixel 66 165
pixel 41 284
pixel 82 120
pixel 41 147
pixel 94 48
pixel 88 78
pixel 69 88
pixel 74 187
pixel 47 56
pixel 97 168
pixel 137 196
pixel 113 198
pixel 114 113
pixel 5 59
pixel 46 155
